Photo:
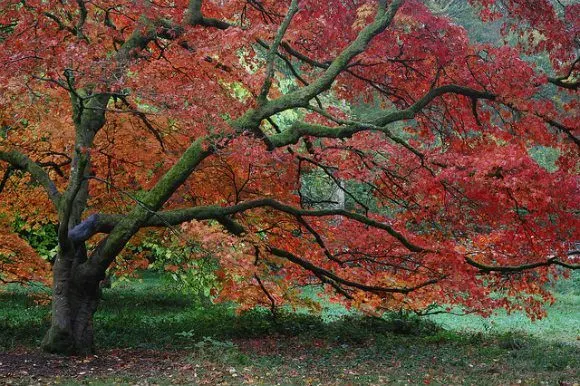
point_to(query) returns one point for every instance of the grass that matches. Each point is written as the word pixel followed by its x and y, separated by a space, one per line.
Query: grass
pixel 170 338
pixel 561 325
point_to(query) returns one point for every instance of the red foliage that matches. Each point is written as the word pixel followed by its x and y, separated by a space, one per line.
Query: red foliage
pixel 453 187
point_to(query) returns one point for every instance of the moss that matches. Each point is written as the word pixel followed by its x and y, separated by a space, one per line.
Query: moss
pixel 59 341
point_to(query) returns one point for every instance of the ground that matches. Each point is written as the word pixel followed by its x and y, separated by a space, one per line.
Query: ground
pixel 149 334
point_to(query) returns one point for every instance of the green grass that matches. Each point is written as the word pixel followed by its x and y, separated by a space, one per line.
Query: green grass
pixel 214 345
pixel 561 325
pixel 22 320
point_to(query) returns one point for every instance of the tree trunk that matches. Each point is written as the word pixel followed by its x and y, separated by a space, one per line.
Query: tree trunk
pixel 338 196
pixel 74 302
pixel 75 282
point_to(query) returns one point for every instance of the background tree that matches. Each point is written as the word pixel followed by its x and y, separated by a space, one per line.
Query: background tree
pixel 120 115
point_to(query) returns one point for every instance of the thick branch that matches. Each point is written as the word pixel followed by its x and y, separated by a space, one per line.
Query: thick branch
pixel 89 118
pixel 301 97
pixel 60 23
pixel 194 16
pixel 6 177
pixel 121 233
pixel 105 223
pixel 126 226
pixel 22 162
pixel 301 129
pixel 166 29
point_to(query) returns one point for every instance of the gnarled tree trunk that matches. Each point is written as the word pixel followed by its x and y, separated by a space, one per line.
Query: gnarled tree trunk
pixel 74 302
pixel 75 287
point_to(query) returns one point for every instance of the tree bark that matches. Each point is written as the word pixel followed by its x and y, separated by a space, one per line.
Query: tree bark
pixel 75 294
pixel 74 302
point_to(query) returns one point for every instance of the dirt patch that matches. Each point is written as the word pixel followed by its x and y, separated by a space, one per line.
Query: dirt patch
pixel 25 366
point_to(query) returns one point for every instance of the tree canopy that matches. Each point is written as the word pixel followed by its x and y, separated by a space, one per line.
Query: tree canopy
pixel 207 118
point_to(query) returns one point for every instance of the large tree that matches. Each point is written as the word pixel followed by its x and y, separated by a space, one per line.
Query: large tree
pixel 207 117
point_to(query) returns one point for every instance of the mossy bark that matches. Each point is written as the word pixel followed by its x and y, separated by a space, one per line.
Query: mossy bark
pixel 75 288
pixel 76 336
pixel 74 302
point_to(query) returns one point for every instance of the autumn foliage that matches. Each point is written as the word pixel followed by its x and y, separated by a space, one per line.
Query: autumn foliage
pixel 204 119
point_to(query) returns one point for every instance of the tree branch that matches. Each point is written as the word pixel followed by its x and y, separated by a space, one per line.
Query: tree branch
pixel 321 272
pixel 274 49
pixel 567 81
pixel 519 268
pixel 6 177
pixel 301 97
pixel 126 226
pixel 194 16
pixel 563 129
pixel 22 162
pixel 166 29
pixel 301 129
pixel 105 223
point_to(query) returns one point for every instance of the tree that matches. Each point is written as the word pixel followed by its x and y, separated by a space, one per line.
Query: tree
pixel 120 116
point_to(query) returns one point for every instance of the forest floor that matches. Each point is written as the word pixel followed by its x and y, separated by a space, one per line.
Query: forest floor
pixel 148 333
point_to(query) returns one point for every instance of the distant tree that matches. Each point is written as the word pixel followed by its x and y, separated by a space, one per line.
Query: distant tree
pixel 121 115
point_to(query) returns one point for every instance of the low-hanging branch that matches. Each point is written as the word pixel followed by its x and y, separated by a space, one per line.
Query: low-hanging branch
pixel 321 272
pixel 104 223
pixel 519 268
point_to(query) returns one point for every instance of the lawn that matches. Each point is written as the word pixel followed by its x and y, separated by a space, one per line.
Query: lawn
pixel 148 332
